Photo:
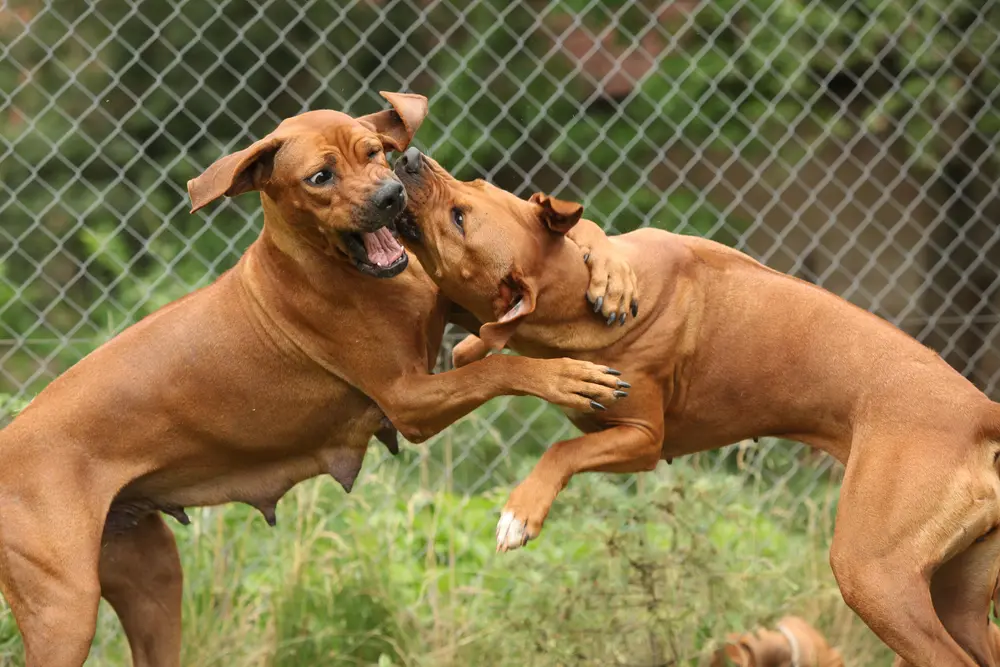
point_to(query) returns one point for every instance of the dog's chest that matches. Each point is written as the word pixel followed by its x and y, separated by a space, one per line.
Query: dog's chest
pixel 259 470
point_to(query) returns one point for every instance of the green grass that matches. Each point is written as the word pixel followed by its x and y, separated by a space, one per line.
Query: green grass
pixel 652 570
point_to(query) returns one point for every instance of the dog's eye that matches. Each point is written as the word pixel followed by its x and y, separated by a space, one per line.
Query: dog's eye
pixel 458 218
pixel 321 177
pixel 374 153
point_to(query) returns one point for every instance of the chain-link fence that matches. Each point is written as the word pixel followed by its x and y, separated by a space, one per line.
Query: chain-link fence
pixel 853 144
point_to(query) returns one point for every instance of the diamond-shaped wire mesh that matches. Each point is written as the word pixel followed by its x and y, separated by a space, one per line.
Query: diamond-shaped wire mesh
pixel 853 144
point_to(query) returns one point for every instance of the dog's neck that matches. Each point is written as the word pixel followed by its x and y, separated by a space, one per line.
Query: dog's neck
pixel 302 250
pixel 299 289
pixel 563 320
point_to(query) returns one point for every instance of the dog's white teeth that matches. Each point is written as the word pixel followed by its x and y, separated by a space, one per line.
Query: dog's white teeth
pixel 510 532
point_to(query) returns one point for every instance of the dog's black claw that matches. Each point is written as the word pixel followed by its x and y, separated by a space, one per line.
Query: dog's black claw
pixel 635 308
pixel 620 394
pixel 756 439
pixel 611 371
pixel 597 406
pixel 586 258
pixel 611 318
pixel 598 304
pixel 624 385
pixel 621 319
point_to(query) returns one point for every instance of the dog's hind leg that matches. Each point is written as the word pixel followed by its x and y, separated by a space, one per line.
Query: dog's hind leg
pixel 961 590
pixel 48 573
pixel 621 449
pixel 896 529
pixel 469 349
pixel 140 574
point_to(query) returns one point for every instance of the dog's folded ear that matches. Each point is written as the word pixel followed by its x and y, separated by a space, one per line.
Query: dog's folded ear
pixel 732 654
pixel 558 215
pixel 397 126
pixel 759 649
pixel 234 174
pixel 496 334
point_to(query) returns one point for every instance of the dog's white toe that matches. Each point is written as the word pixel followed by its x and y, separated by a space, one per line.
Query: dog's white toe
pixel 511 532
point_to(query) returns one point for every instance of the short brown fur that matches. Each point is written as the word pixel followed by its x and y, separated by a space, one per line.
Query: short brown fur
pixel 280 370
pixel 728 349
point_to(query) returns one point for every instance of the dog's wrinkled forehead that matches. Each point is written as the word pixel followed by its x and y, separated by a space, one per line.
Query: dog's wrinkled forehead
pixel 321 121
pixel 324 132
pixel 439 183
pixel 500 206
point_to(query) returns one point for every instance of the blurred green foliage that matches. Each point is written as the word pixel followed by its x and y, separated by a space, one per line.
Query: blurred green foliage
pixel 648 570
pixel 110 106
pixel 619 576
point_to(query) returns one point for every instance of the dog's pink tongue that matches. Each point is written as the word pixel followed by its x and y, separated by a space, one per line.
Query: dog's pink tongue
pixel 382 247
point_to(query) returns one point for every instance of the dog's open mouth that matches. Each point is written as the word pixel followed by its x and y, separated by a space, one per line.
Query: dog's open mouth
pixel 377 253
pixel 510 300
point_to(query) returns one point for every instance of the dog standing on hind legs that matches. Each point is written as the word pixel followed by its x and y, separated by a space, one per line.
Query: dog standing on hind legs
pixel 281 370
pixel 728 349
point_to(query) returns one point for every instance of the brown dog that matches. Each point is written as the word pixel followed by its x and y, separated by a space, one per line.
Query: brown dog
pixel 279 371
pixel 731 350
pixel 793 643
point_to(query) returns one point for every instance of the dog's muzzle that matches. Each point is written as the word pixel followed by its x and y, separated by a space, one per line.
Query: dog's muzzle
pixel 377 252
pixel 389 198
pixel 410 162
pixel 407 167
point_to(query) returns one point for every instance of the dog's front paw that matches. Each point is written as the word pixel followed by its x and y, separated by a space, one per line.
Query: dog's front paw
pixel 613 292
pixel 584 386
pixel 512 533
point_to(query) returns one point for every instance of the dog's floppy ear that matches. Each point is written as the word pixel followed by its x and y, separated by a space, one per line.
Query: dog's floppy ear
pixel 496 334
pixel 558 215
pixel 397 126
pixel 738 655
pixel 732 654
pixel 234 174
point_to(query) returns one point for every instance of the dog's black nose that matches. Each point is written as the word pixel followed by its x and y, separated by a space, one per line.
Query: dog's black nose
pixel 412 160
pixel 389 195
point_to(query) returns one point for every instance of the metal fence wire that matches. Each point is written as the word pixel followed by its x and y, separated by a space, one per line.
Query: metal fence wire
pixel 851 143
